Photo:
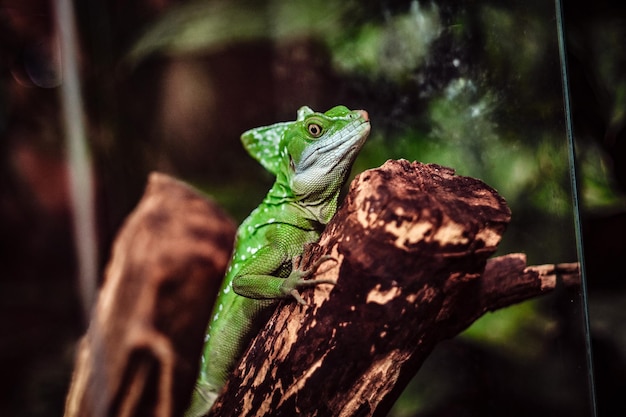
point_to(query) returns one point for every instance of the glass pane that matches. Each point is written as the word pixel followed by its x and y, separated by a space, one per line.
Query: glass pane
pixel 170 86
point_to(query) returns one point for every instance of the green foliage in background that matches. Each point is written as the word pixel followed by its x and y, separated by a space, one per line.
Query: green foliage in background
pixel 488 121
pixel 169 86
pixel 495 113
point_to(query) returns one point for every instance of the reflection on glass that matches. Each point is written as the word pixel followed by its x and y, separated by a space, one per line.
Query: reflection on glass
pixel 474 86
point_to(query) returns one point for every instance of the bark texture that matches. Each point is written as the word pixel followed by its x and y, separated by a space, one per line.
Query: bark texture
pixel 411 244
pixel 140 354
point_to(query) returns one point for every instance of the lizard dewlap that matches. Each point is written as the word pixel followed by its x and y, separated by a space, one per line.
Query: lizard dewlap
pixel 311 158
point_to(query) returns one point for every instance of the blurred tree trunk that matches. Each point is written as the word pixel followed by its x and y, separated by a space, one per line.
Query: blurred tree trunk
pixel 140 354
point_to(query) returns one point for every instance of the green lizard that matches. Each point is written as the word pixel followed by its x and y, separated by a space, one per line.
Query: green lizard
pixel 311 158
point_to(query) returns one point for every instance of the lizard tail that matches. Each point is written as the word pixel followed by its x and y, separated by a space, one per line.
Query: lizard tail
pixel 202 399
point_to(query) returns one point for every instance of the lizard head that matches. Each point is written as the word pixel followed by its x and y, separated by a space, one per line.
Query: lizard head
pixel 311 156
pixel 318 149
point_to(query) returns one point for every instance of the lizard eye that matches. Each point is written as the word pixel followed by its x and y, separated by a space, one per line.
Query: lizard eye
pixel 315 130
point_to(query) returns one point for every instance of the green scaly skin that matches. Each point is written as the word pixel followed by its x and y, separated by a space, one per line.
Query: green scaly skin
pixel 311 158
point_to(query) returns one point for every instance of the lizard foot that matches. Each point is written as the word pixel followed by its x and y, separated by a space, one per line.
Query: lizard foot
pixel 297 279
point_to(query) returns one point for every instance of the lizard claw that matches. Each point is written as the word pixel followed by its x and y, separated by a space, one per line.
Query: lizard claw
pixel 314 268
pixel 298 278
pixel 295 294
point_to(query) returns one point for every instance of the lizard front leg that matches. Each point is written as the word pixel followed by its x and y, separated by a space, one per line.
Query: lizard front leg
pixel 263 285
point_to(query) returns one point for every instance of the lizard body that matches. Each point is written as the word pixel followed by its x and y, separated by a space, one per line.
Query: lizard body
pixel 311 158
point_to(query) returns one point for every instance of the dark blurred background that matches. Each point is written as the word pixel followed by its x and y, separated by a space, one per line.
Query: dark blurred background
pixel 476 85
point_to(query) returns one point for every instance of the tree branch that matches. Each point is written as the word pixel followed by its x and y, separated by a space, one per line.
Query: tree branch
pixel 412 243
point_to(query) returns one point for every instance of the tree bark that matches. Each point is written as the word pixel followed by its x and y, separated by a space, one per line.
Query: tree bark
pixel 140 354
pixel 411 245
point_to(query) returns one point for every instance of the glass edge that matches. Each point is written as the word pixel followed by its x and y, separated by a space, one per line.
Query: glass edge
pixel 573 174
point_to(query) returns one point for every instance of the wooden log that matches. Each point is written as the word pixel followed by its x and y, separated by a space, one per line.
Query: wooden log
pixel 140 354
pixel 411 245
